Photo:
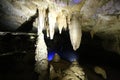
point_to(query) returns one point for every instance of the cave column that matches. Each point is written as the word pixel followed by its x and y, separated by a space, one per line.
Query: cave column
pixel 41 66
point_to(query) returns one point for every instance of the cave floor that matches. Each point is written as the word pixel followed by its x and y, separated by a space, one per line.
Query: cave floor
pixel 21 67
pixel 17 60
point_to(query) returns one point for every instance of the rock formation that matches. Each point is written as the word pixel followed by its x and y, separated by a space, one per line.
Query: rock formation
pixel 98 17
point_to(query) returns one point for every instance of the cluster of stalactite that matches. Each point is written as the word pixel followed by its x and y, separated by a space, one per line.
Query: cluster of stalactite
pixel 50 18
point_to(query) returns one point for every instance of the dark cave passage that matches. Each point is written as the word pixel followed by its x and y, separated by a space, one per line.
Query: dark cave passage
pixel 90 54
pixel 90 51
pixel 20 65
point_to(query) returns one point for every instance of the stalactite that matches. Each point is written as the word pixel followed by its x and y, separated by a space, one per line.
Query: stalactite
pixel 41 20
pixel 41 66
pixel 47 32
pixel 52 21
pixel 68 19
pixel 61 21
pixel 75 32
pixel 46 22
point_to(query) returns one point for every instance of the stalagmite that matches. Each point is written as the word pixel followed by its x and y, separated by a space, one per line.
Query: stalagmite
pixel 100 71
pixel 75 32
pixel 41 66
pixel 56 58
pixel 52 22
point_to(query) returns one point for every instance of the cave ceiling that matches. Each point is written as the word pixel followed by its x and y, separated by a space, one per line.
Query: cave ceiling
pixel 98 17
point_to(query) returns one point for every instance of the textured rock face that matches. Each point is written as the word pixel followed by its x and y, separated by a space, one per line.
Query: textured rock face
pixel 63 70
pixel 74 72
pixel 15 12
pixel 99 17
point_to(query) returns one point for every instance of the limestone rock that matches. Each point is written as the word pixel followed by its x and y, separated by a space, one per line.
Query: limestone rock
pixel 100 71
pixel 74 72
pixel 100 17
pixel 56 58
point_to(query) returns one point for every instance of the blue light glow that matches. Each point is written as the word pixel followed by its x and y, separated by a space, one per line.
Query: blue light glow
pixel 76 1
pixel 68 55
pixel 50 55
